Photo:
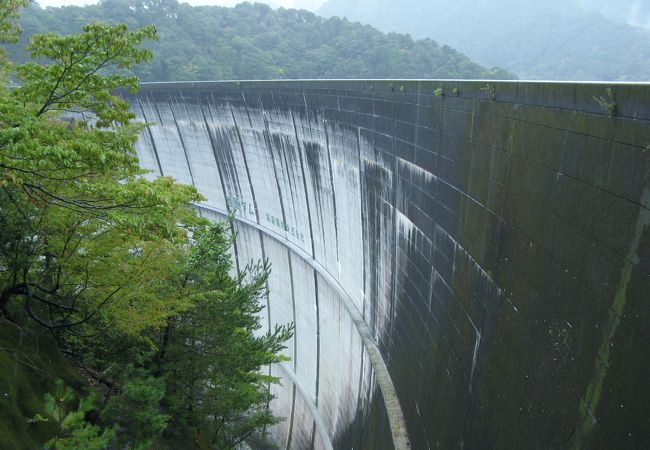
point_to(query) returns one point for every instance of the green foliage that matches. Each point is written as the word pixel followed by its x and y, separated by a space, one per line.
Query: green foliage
pixel 438 92
pixel 489 91
pixel 73 81
pixel 607 102
pixel 74 431
pixel 253 41
pixel 9 30
pixel 84 228
pixel 118 268
pixel 211 353
pixel 37 418
pixel 28 362
pixel 137 410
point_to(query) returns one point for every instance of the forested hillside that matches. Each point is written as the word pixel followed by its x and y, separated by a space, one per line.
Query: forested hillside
pixel 536 39
pixel 257 42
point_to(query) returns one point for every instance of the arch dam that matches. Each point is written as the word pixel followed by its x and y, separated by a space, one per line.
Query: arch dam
pixel 466 263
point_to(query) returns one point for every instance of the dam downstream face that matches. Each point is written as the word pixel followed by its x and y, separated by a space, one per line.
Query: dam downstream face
pixel 483 250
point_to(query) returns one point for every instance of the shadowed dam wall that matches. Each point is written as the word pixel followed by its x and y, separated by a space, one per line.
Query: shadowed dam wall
pixel 465 271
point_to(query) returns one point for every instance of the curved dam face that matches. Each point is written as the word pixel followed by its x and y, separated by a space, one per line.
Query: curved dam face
pixel 467 264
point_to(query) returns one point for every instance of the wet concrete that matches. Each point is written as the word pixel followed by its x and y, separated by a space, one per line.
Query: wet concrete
pixel 468 270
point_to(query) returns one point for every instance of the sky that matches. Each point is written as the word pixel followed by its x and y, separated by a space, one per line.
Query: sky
pixel 306 4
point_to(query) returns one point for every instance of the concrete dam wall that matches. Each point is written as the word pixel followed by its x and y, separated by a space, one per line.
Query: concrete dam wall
pixel 467 264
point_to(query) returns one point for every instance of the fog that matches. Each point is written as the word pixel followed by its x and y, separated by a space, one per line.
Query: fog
pixel 632 12
pixel 599 40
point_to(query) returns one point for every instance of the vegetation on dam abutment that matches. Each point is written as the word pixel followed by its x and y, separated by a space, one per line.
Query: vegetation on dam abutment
pixel 163 347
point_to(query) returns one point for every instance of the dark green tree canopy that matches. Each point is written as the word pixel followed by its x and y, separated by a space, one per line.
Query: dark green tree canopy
pixel 253 41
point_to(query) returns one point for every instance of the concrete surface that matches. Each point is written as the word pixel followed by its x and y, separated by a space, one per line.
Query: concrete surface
pixel 467 263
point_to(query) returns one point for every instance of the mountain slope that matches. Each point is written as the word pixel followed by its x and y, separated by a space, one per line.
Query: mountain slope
pixel 257 42
pixel 632 12
pixel 537 39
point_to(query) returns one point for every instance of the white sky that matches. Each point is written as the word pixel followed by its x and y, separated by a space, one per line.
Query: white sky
pixel 306 4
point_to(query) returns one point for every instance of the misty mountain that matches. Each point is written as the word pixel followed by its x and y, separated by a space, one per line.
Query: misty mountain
pixel 537 39
pixel 257 42
pixel 632 12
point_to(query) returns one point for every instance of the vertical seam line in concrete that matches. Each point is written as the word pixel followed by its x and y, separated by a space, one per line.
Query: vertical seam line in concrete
pixel 391 401
pixel 316 397
pixel 319 423
pixel 248 114
pixel 293 308
pixel 364 238
pixel 312 443
pixel 262 247
pixel 365 244
pixel 295 344
pixel 331 173
pixel 213 146
pixel 360 395
pixel 316 202
pixel 260 235
pixel 153 143
pixel 293 411
pixel 180 137
pixel 317 387
pixel 269 145
pixel 243 153
pixel 393 278
pixel 304 184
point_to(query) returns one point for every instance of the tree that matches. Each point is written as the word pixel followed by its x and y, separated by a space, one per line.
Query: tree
pixel 210 355
pixel 74 431
pixel 9 30
pixel 119 269
pixel 84 227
